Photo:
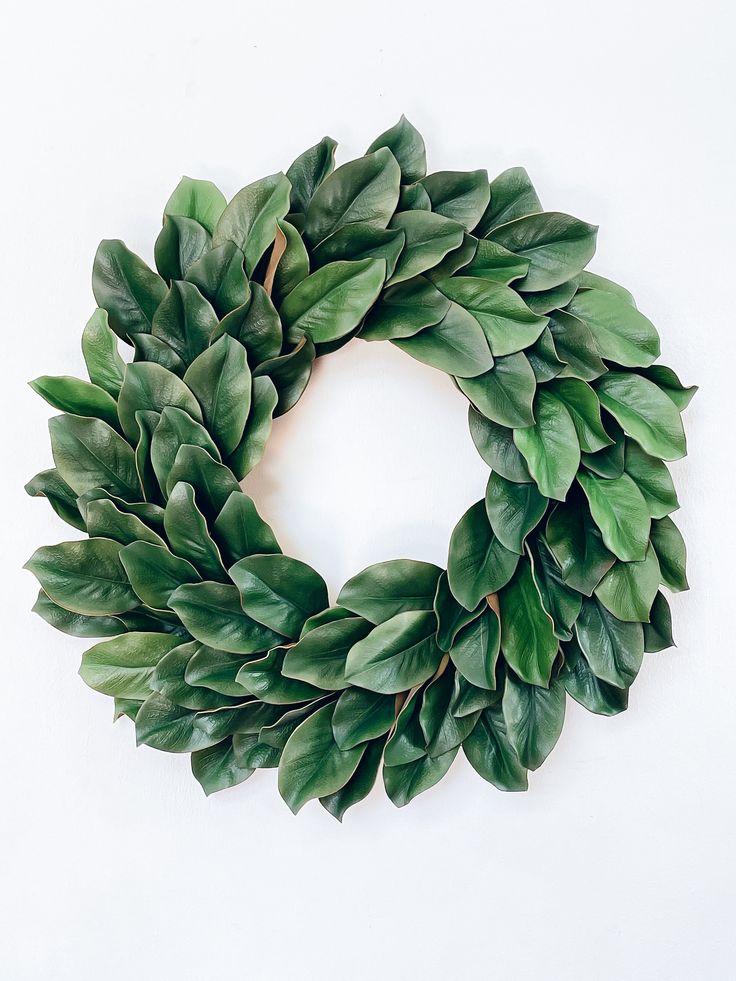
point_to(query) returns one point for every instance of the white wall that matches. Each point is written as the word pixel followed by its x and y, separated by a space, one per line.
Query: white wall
pixel 619 862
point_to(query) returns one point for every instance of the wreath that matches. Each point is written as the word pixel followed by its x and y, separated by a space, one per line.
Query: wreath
pixel 219 645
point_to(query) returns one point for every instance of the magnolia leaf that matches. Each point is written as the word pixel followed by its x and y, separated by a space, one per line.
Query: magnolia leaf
pixel 494 263
pixel 366 190
pixel 576 543
pixel 100 350
pixel 443 731
pixel 406 144
pixel 505 393
pixel 155 572
pixel 670 548
pixel 216 768
pixel 557 246
pixel 51 485
pixel 475 650
pixel 396 655
pixel 387 588
pixel 456 345
pixel 550 447
pixel 80 398
pixel 220 380
pixel 106 520
pixel 528 639
pixel 265 679
pixel 278 591
pixel 359 785
pixel 89 454
pixel 665 378
pixel 495 443
pixel 312 764
pixel 189 538
pixel 252 445
pixel 361 241
pixel 652 478
pixel 658 632
pixel 249 220
pixel 220 277
pixel 613 649
pixel 512 196
pixel 622 334
pixel 508 323
pixel 360 716
pixel 308 171
pixel 240 530
pixel 84 577
pixel 575 345
pixel 428 237
pixel 180 243
pixel 478 563
pixel 534 717
pixel 319 657
pixel 404 310
pixel 197 199
pixel 126 288
pixel 585 411
pixel 123 666
pixel 491 754
pixel 289 373
pixel 213 482
pixel 212 613
pixel 185 321
pixel 460 195
pixel 644 412
pixel 628 588
pixel 592 693
pixel 405 782
pixel 150 387
pixel 175 429
pixel 513 510
pixel 620 511
pixel 451 615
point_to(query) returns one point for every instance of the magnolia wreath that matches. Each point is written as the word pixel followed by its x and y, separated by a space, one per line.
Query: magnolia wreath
pixel 219 645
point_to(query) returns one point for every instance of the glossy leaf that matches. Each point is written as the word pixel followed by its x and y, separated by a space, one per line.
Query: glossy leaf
pixel 106 520
pixel 550 447
pixel 51 485
pixel 628 588
pixel 456 345
pixel 576 543
pixel 360 716
pixel 249 220
pixel 496 446
pixel 175 429
pixel 180 243
pixel 198 200
pixel 622 334
pixel 123 666
pixel 460 195
pixel 148 386
pixel 126 288
pixel 84 576
pixel 220 380
pixel 404 310
pixel 278 591
pixel 658 632
pixel 396 655
pixel 319 657
pixel 359 785
pixel 669 545
pixel 613 649
pixel 512 196
pixel 620 511
pixel 505 393
pixel 558 247
pixel 265 679
pixel 308 171
pixel 216 768
pixel 644 412
pixel 653 479
pixel 189 538
pixel 451 615
pixel 240 530
pixel 220 277
pixel 405 782
pixel 252 445
pixel 513 510
pixel 581 402
pixel 534 717
pixel 155 572
pixel 185 321
pixel 428 237
pixel 387 588
pixel 406 144
pixel 478 563
pixel 100 350
pixel 475 650
pixel 213 482
pixel 491 754
pixel 528 639
pixel 592 693
pixel 289 373
pixel 89 454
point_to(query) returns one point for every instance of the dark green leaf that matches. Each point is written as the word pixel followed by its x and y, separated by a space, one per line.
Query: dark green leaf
pixel 407 145
pixel 249 451
pixel 123 666
pixel 404 310
pixel 89 454
pixel 644 412
pixel 216 768
pixel 100 350
pixel 658 632
pixel 84 577
pixel 319 657
pixel 592 693
pixel 670 548
pixel 496 446
pixel 154 572
pixel 550 446
pixel 512 196
pixel 240 530
pixel 528 639
pixel 558 247
pixel 264 678
pixel 278 591
pixel 405 782
pixel 396 655
pixel 534 717
pixel 186 530
pixel 505 393
pixel 185 321
pixel 652 478
pixel 456 345
pixel 212 613
pixel 475 650
pixel 51 485
pixel 460 195
pixel 451 615
pixel 628 588
pixel 249 220
pixel 219 275
pixel 613 649
pixel 513 510
pixel 491 754
pixel 180 243
pixel 78 397
pixel 621 513
pixel 308 171
pixel 622 334
pixel 196 199
pixel 478 563
pixel 148 386
pixel 220 380
pixel 360 716
pixel 126 288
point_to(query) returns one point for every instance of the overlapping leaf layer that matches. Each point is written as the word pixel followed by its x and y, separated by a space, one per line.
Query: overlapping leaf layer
pixel 217 644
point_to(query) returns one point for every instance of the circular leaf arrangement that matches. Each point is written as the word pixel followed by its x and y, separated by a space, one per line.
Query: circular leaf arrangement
pixel 217 644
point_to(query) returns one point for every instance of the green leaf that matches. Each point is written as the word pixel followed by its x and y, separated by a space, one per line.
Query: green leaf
pixel 185 321
pixel 413 197
pixel 406 144
pixel 670 548
pixel 278 591
pixel 169 678
pixel 250 752
pixel 249 220
pixel 585 411
pixel 542 356
pixel 293 265
pixel 123 666
pixel 186 530
pixel 534 717
pixel 475 650
pixel 150 348
pixel 613 649
pixel 665 378
pixel 106 520
pixel 51 485
pixel 366 189
pixel 558 247
pixel 512 196
pixel 550 446
pixel 170 728
pixel 396 655
pixel 528 638
pixel 308 171
pixel 265 679
pixel 428 239
pixel 154 572
pixel 328 615
pixel 507 321
pixel 478 563
pixel 126 288
pixel 84 576
pixel 592 281
pixel 148 386
pixel 319 657
pixel 147 421
pixel 216 671
pixel 658 632
pixel 628 588
pixel 334 299
pixel 404 310
pixel 505 393
pixel 212 613
pixel 196 199
pixel 575 346
pixel 443 731
pixel 495 264
pixel 592 693
pixel 175 429
pixel 360 716
pixel 456 261
pixel 621 513
pixel 289 373
pixel 652 478
pixel 359 785
pixel 559 600
pixel 240 530
pixel 467 699
pixel 460 195
pixel 220 380
pixel 100 350
pixel 220 277
pixel 180 243
pixel 577 545
pixel 216 768
pixel 491 754
pixel 406 742
pixel 405 782
pixel 548 301
pixel 213 482
pixel 312 764
pixel 456 345
pixel 252 445
pixel 513 510
pixel 451 615
pixel 89 454
pixel 645 413
pixel 76 624
pixel 608 462
pixel 622 334
pixel 361 241
pixel 496 446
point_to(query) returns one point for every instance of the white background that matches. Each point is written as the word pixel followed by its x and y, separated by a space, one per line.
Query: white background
pixel 619 862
